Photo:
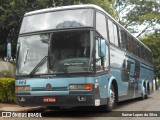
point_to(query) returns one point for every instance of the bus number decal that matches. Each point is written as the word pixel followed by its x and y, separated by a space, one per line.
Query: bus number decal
pixel 22 82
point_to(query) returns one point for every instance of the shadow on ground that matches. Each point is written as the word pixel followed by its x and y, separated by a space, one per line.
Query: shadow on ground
pixel 88 111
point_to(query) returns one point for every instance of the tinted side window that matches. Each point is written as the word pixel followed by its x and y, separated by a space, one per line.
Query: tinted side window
pixel 133 45
pixel 129 43
pixel 123 40
pixel 115 35
pixel 137 49
pixel 150 57
pixel 142 52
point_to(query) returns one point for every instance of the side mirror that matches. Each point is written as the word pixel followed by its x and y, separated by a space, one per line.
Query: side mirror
pixel 102 48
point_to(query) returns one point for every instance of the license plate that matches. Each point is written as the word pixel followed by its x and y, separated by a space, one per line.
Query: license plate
pixel 49 99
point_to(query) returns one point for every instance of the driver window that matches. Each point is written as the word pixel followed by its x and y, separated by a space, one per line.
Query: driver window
pixel 99 65
pixel 106 59
pixel 102 63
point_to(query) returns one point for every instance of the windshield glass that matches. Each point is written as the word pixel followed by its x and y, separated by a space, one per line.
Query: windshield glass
pixel 31 50
pixel 71 52
pixel 57 20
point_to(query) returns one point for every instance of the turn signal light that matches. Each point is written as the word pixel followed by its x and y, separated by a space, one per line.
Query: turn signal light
pixel 88 87
pixel 80 87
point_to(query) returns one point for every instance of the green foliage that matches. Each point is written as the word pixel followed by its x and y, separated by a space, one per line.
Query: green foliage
pixel 153 42
pixel 7 90
pixel 11 15
pixel 139 12
pixel 147 13
pixel 107 5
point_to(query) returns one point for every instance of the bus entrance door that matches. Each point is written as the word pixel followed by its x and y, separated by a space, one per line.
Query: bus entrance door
pixel 131 81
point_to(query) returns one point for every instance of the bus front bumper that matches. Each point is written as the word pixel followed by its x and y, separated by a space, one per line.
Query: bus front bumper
pixel 57 100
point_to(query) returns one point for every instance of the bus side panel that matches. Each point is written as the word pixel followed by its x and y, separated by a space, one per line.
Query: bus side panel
pixel 146 74
pixel 118 71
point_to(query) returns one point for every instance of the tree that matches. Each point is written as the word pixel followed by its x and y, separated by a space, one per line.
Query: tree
pixel 145 13
pixel 134 13
pixel 12 12
pixel 153 42
pixel 107 5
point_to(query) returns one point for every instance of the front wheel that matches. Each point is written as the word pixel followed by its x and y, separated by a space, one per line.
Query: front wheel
pixel 110 101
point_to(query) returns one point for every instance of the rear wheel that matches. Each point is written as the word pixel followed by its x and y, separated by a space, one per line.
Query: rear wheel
pixel 143 93
pixel 146 95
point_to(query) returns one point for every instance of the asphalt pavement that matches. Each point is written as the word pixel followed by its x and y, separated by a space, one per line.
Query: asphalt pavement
pixel 15 107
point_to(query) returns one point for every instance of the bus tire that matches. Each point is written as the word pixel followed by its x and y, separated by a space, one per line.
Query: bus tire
pixel 110 101
pixel 146 95
pixel 143 94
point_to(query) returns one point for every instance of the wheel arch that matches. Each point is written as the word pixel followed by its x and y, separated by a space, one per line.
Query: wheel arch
pixel 112 81
pixel 145 89
pixel 143 84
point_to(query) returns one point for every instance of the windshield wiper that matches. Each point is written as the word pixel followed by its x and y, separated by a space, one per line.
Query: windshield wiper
pixel 38 65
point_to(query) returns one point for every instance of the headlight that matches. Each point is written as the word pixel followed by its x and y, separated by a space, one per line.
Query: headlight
pixel 22 88
pixel 80 87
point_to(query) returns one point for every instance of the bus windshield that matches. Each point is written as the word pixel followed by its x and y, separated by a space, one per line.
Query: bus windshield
pixel 67 52
pixel 30 51
pixel 57 20
pixel 71 51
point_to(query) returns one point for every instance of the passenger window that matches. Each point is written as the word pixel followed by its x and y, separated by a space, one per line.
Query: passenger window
pixel 137 49
pixel 101 24
pixel 142 52
pixel 113 35
pixel 133 45
pixel 129 44
pixel 123 39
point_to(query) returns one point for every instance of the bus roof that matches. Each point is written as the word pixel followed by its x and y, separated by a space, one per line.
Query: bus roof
pixel 63 8
pixel 76 7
